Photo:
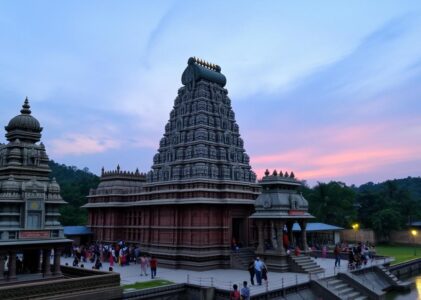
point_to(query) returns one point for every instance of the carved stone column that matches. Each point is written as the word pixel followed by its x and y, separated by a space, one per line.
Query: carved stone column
pixel 57 256
pixel 260 247
pixel 289 228
pixel 12 265
pixel 303 225
pixel 39 261
pixel 2 266
pixel 280 236
pixel 46 262
pixel 273 234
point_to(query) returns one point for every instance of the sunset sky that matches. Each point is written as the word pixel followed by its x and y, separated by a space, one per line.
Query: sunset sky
pixel 329 90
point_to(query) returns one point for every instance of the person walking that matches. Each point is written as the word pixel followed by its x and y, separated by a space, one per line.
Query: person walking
pixel 251 271
pixel 154 264
pixel 264 272
pixel 324 251
pixel 258 266
pixel 98 264
pixel 111 260
pixel 337 253
pixel 235 294
pixel 245 291
pixel 143 265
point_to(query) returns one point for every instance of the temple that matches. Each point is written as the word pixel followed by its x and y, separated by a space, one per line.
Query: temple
pixel 29 203
pixel 277 209
pixel 196 201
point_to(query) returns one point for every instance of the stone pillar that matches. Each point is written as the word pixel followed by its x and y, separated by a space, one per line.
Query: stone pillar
pixel 12 265
pixel 39 261
pixel 46 262
pixel 273 234
pixel 57 256
pixel 289 228
pixel 280 236
pixel 303 225
pixel 2 261
pixel 261 246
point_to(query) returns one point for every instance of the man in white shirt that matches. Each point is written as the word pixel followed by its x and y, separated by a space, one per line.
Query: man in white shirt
pixel 258 266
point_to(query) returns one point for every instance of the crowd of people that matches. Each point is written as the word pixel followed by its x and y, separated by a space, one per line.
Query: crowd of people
pixel 118 253
pixel 122 254
pixel 360 255
pixel 257 269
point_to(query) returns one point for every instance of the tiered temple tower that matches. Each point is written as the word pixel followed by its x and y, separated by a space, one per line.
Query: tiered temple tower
pixel 29 200
pixel 201 189
pixel 202 139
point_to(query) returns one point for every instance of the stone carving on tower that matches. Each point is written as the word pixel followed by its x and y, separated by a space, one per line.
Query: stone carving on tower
pixel 201 138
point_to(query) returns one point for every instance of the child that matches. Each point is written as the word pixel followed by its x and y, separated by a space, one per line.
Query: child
pixel 245 291
pixel 235 294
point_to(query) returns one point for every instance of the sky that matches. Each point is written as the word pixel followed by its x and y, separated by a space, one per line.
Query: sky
pixel 328 89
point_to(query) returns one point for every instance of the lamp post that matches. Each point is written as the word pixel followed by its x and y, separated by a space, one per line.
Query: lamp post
pixel 355 226
pixel 414 234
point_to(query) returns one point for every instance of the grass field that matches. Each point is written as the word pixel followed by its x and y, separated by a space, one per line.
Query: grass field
pixel 147 284
pixel 400 253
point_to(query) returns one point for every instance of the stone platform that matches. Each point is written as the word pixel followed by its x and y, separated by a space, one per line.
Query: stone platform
pixel 225 278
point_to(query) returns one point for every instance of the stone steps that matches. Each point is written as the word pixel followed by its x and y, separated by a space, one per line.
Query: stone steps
pixel 343 290
pixel 397 282
pixel 242 257
pixel 306 264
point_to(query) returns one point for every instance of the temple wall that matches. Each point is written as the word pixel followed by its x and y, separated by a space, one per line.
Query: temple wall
pixel 404 237
pixel 362 235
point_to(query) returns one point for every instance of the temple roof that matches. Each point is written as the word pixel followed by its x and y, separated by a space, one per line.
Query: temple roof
pixel 317 227
pixel 24 126
pixel 76 230
pixel 199 69
pixel 280 198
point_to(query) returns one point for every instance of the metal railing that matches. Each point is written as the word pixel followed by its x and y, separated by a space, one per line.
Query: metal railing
pixel 269 285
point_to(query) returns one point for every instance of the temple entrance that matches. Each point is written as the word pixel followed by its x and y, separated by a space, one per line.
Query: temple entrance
pixel 238 232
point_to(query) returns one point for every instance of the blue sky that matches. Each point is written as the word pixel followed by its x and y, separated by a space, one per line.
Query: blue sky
pixel 326 89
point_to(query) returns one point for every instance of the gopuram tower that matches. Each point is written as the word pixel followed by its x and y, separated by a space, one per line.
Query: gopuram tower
pixel 198 196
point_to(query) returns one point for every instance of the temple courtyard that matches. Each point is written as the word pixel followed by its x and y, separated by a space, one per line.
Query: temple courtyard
pixel 225 278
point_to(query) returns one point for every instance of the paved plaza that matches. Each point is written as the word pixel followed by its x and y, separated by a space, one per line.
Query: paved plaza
pixel 225 278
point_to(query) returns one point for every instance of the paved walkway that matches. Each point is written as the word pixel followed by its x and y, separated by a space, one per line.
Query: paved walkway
pixel 224 278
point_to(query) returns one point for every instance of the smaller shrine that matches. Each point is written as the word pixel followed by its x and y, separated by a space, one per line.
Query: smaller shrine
pixel 30 230
pixel 277 209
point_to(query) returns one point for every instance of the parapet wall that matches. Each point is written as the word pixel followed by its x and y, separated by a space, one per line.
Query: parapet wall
pixel 78 284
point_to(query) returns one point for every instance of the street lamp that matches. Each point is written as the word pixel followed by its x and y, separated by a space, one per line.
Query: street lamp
pixel 355 226
pixel 414 234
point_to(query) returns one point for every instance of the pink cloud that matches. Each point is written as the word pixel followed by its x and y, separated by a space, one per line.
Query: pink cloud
pixel 339 153
pixel 334 165
pixel 79 144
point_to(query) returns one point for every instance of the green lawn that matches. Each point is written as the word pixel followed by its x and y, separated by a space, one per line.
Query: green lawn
pixel 147 284
pixel 400 253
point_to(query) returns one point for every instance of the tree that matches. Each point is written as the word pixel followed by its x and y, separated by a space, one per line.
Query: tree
pixel 384 221
pixel 333 203
pixel 75 185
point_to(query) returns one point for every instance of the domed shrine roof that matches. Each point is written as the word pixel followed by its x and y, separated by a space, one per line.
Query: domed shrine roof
pixel 280 198
pixel 10 185
pixel 24 126
pixel 54 187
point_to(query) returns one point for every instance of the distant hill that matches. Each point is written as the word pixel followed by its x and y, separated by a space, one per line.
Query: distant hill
pixel 410 184
pixel 75 185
